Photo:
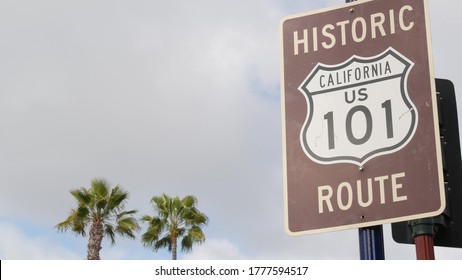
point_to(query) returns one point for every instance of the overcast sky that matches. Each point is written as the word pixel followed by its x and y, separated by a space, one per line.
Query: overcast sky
pixel 181 97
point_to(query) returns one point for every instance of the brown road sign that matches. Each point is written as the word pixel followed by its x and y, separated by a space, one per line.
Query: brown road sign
pixel 360 124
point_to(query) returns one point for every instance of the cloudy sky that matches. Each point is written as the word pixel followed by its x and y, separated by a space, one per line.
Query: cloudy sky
pixel 181 97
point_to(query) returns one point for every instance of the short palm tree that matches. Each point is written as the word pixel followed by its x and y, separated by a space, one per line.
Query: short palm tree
pixel 101 209
pixel 177 219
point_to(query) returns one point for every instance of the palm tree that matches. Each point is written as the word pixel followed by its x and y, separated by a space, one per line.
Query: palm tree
pixel 177 218
pixel 101 209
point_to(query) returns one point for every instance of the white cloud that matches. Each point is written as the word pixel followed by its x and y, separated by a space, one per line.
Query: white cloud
pixel 215 249
pixel 15 244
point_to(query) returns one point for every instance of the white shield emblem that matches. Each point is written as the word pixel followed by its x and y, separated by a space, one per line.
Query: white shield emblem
pixel 358 110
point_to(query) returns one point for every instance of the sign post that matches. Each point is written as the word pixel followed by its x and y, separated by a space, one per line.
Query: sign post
pixel 371 246
pixel 360 124
pixel 423 237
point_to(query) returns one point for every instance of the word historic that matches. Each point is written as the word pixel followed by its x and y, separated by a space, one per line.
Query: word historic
pixel 357 30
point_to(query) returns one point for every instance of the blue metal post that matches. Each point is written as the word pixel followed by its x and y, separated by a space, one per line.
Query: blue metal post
pixel 371 246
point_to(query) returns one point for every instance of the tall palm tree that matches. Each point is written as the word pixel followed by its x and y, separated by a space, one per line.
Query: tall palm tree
pixel 101 209
pixel 177 219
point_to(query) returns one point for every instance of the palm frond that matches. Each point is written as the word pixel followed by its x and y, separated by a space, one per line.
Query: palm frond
pixel 109 231
pixel 189 201
pixel 187 244
pixel 117 198
pixel 166 241
pixel 154 230
pixel 196 234
pixel 126 213
pixel 75 222
pixel 82 196
pixel 127 227
pixel 100 187
pixel 147 219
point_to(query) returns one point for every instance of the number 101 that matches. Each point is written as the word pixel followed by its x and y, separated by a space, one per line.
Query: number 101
pixel 359 109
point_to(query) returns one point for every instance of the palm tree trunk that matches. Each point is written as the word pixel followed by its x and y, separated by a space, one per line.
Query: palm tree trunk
pixel 174 247
pixel 95 239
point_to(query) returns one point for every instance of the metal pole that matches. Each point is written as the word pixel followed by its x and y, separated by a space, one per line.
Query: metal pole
pixel 371 246
pixel 423 231
pixel 424 247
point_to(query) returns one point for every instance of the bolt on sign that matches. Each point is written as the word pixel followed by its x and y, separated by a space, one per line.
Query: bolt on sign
pixel 360 124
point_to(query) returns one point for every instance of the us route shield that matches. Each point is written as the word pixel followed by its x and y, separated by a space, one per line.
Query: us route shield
pixel 358 109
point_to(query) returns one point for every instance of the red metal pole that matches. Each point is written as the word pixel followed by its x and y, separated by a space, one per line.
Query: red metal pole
pixel 423 231
pixel 424 247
